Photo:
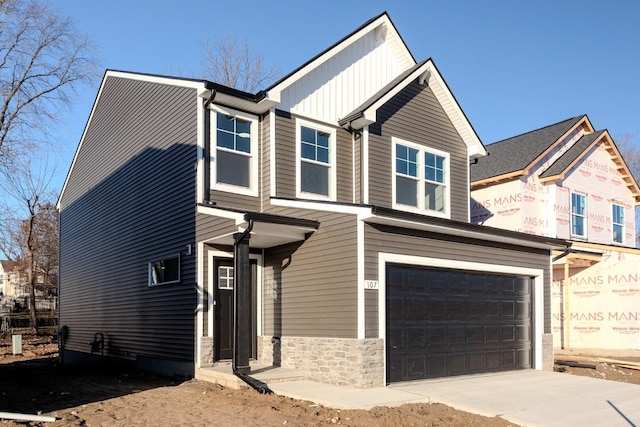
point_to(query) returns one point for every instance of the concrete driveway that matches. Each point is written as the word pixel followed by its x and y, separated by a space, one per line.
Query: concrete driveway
pixel 526 397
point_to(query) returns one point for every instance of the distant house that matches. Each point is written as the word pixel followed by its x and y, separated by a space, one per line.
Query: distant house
pixel 569 181
pixel 334 203
pixel 12 285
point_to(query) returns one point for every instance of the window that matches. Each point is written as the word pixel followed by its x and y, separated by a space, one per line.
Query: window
pixel 164 271
pixel 578 214
pixel 235 164
pixel 618 223
pixel 421 178
pixel 225 277
pixel 316 164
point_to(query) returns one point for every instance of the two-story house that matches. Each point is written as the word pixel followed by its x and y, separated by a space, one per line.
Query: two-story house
pixel 569 181
pixel 334 204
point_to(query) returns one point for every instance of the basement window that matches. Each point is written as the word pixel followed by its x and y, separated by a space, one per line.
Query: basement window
pixel 164 271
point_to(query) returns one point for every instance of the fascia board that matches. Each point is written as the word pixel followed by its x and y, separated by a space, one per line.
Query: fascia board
pixel 237 217
pixel 475 148
pixel 483 233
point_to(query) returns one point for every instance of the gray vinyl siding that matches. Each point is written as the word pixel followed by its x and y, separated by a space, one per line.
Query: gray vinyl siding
pixel 285 140
pixel 286 167
pixel 208 227
pixel 265 149
pixel 130 199
pixel 431 245
pixel 310 288
pixel 234 200
pixel 415 115
pixel 371 313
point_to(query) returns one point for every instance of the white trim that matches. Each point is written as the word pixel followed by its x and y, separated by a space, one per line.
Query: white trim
pixel 199 304
pixel 253 156
pixel 272 153
pixel 211 254
pixel 538 292
pixel 360 275
pixel 332 178
pixel 238 217
pixel 421 179
pixel 364 164
pixel 585 224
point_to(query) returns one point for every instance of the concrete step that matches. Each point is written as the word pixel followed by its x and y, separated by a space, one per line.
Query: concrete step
pixel 222 374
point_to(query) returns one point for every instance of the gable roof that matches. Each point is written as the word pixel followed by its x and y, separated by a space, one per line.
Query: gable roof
pixel 380 23
pixel 513 156
pixel 427 74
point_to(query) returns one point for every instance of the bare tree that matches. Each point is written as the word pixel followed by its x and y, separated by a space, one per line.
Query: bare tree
pixel 31 209
pixel 236 64
pixel 43 57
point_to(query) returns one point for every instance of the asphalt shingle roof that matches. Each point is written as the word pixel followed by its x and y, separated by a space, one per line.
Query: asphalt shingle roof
pixel 573 153
pixel 516 153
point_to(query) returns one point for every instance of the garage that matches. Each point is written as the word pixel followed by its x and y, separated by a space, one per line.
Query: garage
pixel 443 322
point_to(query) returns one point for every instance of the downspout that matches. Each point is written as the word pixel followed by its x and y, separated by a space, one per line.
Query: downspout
pixel 242 288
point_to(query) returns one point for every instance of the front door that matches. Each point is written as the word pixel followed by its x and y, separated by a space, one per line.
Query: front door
pixel 223 340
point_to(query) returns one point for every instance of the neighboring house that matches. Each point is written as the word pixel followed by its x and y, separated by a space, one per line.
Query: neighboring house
pixel 343 192
pixel 12 286
pixel 569 181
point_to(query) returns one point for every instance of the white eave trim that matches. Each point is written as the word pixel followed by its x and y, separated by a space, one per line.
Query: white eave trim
pixel 482 234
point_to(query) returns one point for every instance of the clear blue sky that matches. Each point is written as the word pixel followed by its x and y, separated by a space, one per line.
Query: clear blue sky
pixel 513 66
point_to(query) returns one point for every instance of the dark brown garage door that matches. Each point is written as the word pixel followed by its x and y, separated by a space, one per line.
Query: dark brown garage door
pixel 449 322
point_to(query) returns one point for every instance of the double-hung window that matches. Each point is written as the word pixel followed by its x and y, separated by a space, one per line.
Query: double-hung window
pixel 316 161
pixel 421 179
pixel 235 164
pixel 578 215
pixel 618 223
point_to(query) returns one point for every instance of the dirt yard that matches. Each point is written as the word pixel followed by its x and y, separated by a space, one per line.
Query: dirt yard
pixel 34 383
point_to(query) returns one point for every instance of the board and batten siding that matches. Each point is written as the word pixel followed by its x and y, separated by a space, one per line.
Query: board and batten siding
pixel 129 200
pixel 310 287
pixel 447 247
pixel 415 115
pixel 286 167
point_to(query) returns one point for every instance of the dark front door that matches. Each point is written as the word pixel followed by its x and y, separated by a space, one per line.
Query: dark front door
pixel 449 322
pixel 223 340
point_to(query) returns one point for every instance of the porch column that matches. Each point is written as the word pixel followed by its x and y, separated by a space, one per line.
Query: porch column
pixel 242 304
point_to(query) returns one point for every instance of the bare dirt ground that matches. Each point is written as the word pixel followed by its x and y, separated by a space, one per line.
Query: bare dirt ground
pixel 34 383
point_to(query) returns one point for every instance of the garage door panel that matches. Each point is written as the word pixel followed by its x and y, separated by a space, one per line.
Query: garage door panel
pixel 437 336
pixel 445 325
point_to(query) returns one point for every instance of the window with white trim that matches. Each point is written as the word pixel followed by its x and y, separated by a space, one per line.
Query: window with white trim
pixel 578 214
pixel 225 277
pixel 617 223
pixel 316 171
pixel 421 178
pixel 164 271
pixel 234 164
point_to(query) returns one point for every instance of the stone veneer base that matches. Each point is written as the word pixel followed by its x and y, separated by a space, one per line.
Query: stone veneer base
pixel 341 361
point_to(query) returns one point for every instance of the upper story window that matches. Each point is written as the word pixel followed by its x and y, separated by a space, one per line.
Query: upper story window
pixel 421 179
pixel 234 153
pixel 578 215
pixel 618 223
pixel 316 177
